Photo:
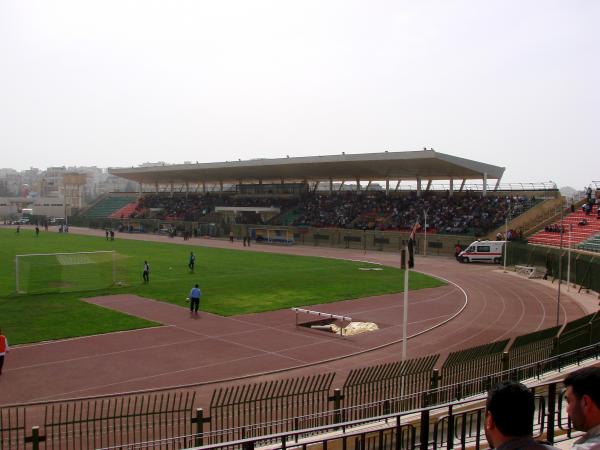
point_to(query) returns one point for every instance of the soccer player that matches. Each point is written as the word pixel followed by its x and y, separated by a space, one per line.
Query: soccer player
pixel 192 262
pixel 146 272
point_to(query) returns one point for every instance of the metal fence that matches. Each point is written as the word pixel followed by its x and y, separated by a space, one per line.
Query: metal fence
pixel 269 407
pixel 402 380
pixel 585 269
pixel 117 421
pixel 476 363
pixel 13 428
pixel 456 425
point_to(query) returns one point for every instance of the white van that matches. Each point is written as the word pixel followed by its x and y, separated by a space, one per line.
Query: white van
pixel 487 251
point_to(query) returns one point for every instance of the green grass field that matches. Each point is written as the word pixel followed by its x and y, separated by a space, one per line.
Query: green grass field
pixel 233 282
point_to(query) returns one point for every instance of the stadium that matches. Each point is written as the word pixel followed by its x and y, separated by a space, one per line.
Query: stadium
pixel 336 309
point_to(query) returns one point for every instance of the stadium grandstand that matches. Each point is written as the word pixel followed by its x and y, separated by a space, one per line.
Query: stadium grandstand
pixel 377 192
pixel 344 206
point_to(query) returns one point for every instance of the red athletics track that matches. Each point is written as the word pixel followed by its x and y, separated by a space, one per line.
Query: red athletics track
pixel 480 304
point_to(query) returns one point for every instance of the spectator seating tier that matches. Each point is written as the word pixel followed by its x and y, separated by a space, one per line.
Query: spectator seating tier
pixel 592 244
pixel 125 211
pixel 107 206
pixel 579 233
pixel 460 214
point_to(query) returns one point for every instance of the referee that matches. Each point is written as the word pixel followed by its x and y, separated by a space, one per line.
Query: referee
pixel 195 295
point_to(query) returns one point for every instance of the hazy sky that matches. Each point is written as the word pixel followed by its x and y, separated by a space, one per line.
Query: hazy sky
pixel 119 83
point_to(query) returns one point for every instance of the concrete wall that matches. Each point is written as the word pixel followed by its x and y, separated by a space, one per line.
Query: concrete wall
pixel 385 241
pixel 42 206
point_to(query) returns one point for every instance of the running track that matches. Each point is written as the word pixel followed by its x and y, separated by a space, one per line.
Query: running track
pixel 480 304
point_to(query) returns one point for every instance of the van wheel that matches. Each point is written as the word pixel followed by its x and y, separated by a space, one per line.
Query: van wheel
pixel 496 260
pixel 464 259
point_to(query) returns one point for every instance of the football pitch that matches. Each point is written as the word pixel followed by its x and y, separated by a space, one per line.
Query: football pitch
pixel 233 282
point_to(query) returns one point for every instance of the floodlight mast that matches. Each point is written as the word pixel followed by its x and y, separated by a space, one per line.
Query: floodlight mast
pixel 405 308
pixel 425 232
pixel 17 273
pixel 569 259
pixel 560 265
pixel 114 268
pixel 508 215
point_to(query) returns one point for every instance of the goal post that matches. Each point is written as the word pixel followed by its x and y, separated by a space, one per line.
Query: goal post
pixel 273 235
pixel 65 272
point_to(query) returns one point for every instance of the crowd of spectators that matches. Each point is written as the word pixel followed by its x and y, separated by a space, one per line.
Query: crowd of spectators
pixel 590 201
pixel 376 211
pixel 554 228
pixel 459 214
pixel 194 206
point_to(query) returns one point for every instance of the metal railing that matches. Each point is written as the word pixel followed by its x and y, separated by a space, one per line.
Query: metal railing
pixel 438 424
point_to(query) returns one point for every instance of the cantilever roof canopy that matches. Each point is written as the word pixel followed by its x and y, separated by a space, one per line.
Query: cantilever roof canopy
pixel 426 164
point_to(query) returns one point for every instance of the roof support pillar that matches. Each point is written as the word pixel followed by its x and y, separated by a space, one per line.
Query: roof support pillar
pixel 497 184
pixel 341 185
pixel 398 185
pixel 172 189
pixel 331 185
pixel 187 189
pixel 368 185
pixel 156 186
pixel 260 181
pixel 221 185
pixel 484 189
pixel 204 187
pixel 282 181
pixel 451 190
pixel 357 184
pixel 462 185
pixel 316 185
pixel 387 187
pixel 140 188
pixel 428 185
pixel 418 186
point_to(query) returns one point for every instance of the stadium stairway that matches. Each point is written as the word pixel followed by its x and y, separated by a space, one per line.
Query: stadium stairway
pixel 125 211
pixel 579 234
pixel 107 206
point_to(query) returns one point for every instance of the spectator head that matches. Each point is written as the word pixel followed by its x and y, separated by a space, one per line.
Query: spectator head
pixel 510 407
pixel 583 397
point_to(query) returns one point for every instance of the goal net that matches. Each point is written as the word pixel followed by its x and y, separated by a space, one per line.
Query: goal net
pixel 66 272
pixel 273 235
